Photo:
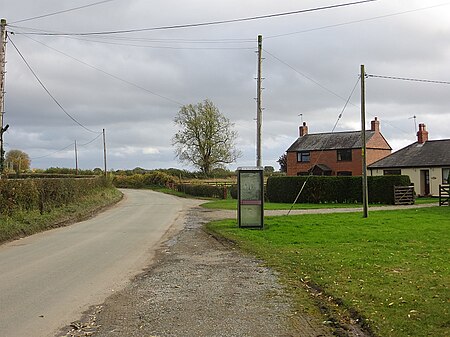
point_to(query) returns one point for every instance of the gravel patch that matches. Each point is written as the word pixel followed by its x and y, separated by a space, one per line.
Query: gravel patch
pixel 199 287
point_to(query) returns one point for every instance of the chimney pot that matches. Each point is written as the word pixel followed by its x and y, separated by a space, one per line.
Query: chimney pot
pixel 422 134
pixel 375 125
pixel 303 130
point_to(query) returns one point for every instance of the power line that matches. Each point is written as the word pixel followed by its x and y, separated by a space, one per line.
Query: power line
pixel 304 75
pixel 211 23
pixel 68 146
pixel 63 11
pixel 55 152
pixel 408 79
pixel 357 21
pixel 46 90
pixel 326 89
pixel 109 74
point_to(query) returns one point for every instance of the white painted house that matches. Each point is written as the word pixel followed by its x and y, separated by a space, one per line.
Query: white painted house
pixel 426 162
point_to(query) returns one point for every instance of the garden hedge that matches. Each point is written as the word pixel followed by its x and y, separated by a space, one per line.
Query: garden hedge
pixel 326 189
pixel 44 194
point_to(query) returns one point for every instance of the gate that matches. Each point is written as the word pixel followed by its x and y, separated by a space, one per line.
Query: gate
pixel 444 191
pixel 403 195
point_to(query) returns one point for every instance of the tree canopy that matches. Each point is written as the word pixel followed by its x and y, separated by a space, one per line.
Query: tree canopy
pixel 206 138
pixel 18 160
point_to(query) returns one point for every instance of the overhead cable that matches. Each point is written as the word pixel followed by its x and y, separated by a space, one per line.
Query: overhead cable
pixel 47 91
pixel 408 79
pixel 109 74
pixel 356 21
pixel 211 23
pixel 63 11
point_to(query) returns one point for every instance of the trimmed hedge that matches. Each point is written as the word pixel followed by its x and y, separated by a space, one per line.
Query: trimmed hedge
pixel 325 189
pixel 206 191
pixel 44 194
pixel 150 179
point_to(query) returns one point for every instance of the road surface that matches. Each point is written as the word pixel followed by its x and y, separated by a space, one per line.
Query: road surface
pixel 47 280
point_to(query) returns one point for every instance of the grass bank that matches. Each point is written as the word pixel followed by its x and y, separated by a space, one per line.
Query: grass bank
pixel 25 223
pixel 390 271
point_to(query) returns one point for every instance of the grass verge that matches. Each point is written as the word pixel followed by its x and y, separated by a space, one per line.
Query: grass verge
pixel 389 272
pixel 24 223
pixel 232 204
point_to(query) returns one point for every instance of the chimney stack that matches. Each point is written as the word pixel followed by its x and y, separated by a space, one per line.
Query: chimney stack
pixel 422 134
pixel 375 125
pixel 303 130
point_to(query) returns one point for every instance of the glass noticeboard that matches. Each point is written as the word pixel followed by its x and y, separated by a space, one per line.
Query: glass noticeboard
pixel 251 197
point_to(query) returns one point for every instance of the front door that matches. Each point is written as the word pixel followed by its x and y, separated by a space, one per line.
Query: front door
pixel 424 182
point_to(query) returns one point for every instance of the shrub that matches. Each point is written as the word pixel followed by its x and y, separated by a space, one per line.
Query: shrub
pixel 333 189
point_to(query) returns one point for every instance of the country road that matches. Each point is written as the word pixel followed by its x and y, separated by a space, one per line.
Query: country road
pixel 47 280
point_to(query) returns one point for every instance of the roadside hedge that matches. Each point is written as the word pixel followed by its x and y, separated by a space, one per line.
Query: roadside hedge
pixel 154 178
pixel 44 194
pixel 203 190
pixel 326 189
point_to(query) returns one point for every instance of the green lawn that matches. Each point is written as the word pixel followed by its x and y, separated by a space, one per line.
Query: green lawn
pixel 391 270
pixel 232 204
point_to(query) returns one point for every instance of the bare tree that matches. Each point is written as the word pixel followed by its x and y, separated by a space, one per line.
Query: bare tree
pixel 206 138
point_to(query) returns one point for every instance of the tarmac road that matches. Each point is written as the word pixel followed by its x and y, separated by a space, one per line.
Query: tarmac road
pixel 49 279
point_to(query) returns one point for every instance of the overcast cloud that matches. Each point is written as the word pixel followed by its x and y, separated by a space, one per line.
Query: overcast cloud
pixel 133 84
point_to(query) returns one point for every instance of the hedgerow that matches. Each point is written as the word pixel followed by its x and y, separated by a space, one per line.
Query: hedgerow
pixel 150 179
pixel 203 190
pixel 44 194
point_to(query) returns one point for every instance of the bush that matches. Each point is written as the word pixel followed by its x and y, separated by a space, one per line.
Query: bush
pixel 333 189
pixel 44 194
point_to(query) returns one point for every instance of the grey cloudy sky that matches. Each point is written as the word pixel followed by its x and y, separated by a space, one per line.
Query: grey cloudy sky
pixel 134 84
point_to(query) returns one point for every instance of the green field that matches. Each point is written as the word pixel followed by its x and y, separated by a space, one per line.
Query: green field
pixel 390 271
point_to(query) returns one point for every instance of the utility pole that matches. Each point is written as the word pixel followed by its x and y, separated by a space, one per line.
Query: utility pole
pixel 365 193
pixel 258 105
pixel 104 151
pixel 2 89
pixel 76 158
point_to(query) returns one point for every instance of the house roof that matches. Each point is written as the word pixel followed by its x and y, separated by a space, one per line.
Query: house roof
pixel 330 141
pixel 429 154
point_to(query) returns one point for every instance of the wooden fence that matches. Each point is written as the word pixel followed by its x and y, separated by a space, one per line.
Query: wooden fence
pixel 403 195
pixel 444 191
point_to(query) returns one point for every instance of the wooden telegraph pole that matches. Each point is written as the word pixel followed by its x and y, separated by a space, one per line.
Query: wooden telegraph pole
pixel 2 88
pixel 104 151
pixel 76 158
pixel 258 105
pixel 363 141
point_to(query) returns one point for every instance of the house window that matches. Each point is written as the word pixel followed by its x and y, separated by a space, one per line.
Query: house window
pixel 445 175
pixel 344 173
pixel 392 172
pixel 344 155
pixel 303 156
pixel 303 173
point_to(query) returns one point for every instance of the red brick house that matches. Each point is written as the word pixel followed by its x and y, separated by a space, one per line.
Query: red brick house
pixel 336 153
